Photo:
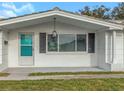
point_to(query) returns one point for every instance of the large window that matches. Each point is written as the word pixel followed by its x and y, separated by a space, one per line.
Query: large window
pixel 66 43
pixel 81 42
pixel 52 43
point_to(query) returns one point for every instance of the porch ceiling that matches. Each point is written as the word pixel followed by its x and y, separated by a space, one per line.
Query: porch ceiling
pixel 79 23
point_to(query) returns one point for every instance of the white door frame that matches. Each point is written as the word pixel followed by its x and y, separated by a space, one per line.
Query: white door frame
pixel 30 61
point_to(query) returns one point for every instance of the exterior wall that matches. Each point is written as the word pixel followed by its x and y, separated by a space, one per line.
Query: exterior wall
pixel 101 58
pixel 114 51
pixel 119 47
pixel 3 51
pixel 118 60
pixel 73 59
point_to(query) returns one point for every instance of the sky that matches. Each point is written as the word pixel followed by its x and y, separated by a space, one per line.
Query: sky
pixel 13 9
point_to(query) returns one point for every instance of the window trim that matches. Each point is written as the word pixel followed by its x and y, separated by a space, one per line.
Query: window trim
pixel 68 52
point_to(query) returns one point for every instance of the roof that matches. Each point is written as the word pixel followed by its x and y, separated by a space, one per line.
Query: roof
pixel 117 21
pixel 61 12
pixel 58 9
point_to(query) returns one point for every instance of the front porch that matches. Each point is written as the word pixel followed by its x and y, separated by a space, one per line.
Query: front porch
pixel 51 69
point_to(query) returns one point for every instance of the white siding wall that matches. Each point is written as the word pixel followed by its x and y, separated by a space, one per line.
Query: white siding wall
pixel 119 48
pixel 114 54
pixel 118 61
pixel 3 51
pixel 48 59
pixel 101 58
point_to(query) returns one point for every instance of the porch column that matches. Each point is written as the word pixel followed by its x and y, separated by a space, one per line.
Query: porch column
pixel 109 47
pixel 118 47
pixel 118 51
pixel 114 47
pixel 1 44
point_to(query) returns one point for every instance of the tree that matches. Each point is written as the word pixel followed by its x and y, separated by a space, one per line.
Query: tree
pixel 104 12
pixel 114 13
pixel 118 12
pixel 85 11
pixel 121 11
pixel 100 12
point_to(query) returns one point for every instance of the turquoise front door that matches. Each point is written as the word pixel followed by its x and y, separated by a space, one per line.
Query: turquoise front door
pixel 26 48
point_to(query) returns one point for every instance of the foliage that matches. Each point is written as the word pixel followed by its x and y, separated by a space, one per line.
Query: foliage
pixel 104 12
pixel 118 12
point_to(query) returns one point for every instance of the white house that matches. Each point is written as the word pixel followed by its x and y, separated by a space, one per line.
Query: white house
pixel 58 38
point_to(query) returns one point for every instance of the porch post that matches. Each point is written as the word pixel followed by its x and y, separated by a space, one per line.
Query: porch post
pixel 109 47
pixel 1 44
pixel 114 47
pixel 118 47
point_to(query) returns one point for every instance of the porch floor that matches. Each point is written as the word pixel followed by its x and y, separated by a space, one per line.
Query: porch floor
pixel 51 69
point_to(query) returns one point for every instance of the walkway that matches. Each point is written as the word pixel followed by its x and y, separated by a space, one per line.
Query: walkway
pixel 26 77
pixel 22 73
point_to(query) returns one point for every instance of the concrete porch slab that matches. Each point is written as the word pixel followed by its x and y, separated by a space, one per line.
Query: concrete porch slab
pixel 51 69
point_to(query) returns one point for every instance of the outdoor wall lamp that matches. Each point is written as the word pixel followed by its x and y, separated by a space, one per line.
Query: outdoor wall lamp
pixel 54 33
pixel 5 42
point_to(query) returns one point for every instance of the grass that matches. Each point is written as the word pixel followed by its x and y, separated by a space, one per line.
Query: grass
pixel 64 85
pixel 71 73
pixel 4 74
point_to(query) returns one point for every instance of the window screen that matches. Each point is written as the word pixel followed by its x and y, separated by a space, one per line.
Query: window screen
pixel 42 44
pixel 91 42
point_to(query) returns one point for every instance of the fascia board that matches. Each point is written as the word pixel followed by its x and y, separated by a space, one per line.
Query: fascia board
pixel 61 13
pixel 27 18
pixel 91 20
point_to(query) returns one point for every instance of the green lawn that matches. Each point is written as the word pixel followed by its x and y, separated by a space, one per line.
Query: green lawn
pixel 68 85
pixel 71 73
pixel 4 74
